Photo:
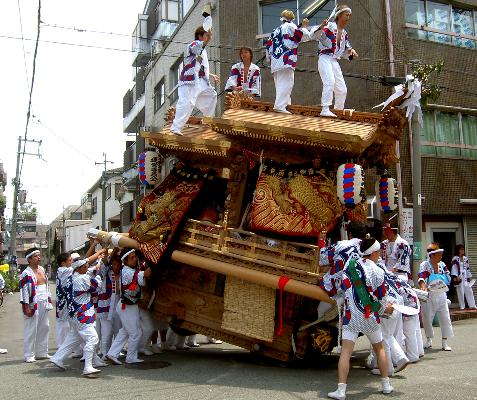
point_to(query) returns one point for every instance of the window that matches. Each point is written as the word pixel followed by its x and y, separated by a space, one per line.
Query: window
pixel 117 188
pixel 167 10
pixel 315 10
pixel 175 76
pixel 76 215
pixel 440 22
pixel 159 95
pixel 94 206
pixel 449 134
pixel 108 191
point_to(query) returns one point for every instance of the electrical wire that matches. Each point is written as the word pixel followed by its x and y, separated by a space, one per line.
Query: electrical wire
pixel 25 136
pixel 23 45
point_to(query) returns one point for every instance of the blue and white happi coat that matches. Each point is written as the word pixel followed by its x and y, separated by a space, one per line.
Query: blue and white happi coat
pixel 61 305
pixel 80 290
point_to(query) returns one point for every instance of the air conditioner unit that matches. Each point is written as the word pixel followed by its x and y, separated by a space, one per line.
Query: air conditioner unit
pixel 156 47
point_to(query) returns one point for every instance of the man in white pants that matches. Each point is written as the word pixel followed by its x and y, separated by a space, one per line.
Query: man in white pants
pixel 131 281
pixel 461 275
pixel 333 45
pixel 2 286
pixel 63 324
pixel 434 277
pixel 35 299
pixel 194 85
pixel 282 53
pixel 79 289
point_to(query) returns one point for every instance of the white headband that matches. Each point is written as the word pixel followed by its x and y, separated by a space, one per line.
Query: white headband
pixel 335 13
pixel 375 247
pixel 435 251
pixel 33 253
pixel 79 263
pixel 283 19
pixel 125 255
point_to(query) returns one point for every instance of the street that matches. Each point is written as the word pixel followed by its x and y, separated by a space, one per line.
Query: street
pixel 227 372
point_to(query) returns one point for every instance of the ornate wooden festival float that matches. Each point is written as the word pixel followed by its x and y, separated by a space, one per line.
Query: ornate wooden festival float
pixel 232 231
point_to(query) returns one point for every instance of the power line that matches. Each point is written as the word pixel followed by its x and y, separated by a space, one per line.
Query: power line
pixel 23 45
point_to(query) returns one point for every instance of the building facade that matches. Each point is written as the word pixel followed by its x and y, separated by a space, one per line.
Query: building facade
pixel 419 31
pixel 3 205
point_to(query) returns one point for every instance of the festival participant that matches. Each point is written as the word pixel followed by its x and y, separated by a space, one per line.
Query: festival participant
pixel 2 286
pixel 333 45
pixel 79 288
pixel 365 300
pixel 108 322
pixel 412 327
pixel 337 256
pixel 435 278
pixel 245 75
pixel 194 82
pixel 131 281
pixel 65 270
pixel 282 53
pixel 35 298
pixel 461 276
pixel 397 253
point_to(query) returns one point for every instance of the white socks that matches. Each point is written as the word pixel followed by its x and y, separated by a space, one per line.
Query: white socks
pixel 386 385
pixel 340 393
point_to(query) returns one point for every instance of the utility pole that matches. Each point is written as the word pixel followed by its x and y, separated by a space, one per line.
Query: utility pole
pixel 416 195
pixel 103 191
pixel 16 188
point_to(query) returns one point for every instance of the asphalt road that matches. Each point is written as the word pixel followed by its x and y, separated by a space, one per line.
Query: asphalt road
pixel 227 372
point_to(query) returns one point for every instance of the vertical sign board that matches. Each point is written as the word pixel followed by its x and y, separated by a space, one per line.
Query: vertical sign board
pixel 406 230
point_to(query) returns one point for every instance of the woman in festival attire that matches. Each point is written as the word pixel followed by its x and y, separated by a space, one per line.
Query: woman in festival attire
pixel 435 278
pixel 245 75
pixel 365 300
pixel 461 276
pixel 334 44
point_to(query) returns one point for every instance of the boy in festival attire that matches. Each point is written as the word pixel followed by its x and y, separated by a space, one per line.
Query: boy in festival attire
pixel 333 45
pixel 65 270
pixel 434 277
pixel 365 300
pixel 79 289
pixel 131 281
pixel 35 299
pixel 245 75
pixel 194 82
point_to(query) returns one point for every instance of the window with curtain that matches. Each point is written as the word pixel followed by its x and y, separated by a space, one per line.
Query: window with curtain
pixel 441 128
pixel 315 10
pixel 159 95
pixel 444 17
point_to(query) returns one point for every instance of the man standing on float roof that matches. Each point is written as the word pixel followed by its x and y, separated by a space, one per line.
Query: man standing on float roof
pixel 334 44
pixel 282 53
pixel 35 298
pixel 194 82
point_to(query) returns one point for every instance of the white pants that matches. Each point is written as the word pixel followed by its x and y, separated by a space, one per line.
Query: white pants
pixel 394 351
pixel 130 332
pixel 107 328
pixel 199 94
pixel 284 81
pixel 62 329
pixel 148 326
pixel 333 82
pixel 413 337
pixel 80 333
pixel 437 304
pixel 35 332
pixel 464 293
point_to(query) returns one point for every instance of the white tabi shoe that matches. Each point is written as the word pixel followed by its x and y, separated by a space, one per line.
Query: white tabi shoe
pixel 281 111
pixel 325 112
pixel 156 349
pixel 428 343
pixel 59 364
pixel 113 360
pixel 3 351
pixel 91 371
pixel 146 352
pixel 45 357
pixel 386 386
pixel 340 393
pixel 445 346
pixel 401 364
pixel 98 362
pixel 135 361
pixel 215 341
pixel 30 359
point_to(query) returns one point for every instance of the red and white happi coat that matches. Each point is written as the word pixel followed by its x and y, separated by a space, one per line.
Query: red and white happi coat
pixel 397 255
pixel 250 83
pixel 328 41
pixel 195 68
pixel 28 288
pixel 461 268
pixel 282 45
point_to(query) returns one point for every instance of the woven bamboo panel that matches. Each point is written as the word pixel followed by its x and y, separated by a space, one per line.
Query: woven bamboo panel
pixel 249 309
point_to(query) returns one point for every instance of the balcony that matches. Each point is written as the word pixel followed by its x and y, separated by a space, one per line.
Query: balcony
pixel 141 45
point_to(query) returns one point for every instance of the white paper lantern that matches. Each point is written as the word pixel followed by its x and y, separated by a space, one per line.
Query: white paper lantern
pixel 149 166
pixel 387 193
pixel 350 184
